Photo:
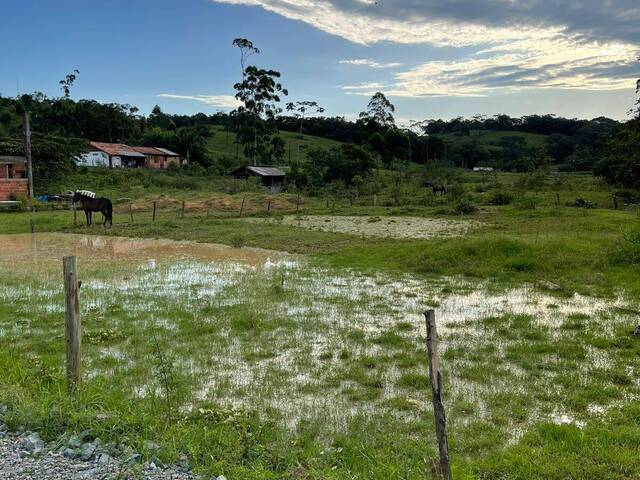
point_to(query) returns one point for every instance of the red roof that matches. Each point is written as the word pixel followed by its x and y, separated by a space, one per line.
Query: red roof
pixel 147 150
pixel 111 148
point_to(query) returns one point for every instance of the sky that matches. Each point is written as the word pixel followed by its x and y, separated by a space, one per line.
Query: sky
pixel 432 58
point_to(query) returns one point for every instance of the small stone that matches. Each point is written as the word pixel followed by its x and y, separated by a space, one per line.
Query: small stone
pixel 133 459
pixel 71 453
pixel 150 447
pixel 74 442
pixel 32 443
pixel 87 451
pixel 105 459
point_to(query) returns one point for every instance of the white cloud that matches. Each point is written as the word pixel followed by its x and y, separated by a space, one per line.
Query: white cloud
pixel 365 86
pixel 369 63
pixel 220 101
pixel 535 44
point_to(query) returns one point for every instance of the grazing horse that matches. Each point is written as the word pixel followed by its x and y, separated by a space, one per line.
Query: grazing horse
pixel 437 188
pixel 89 203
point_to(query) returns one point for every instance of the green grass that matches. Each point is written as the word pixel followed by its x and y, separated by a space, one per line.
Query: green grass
pixel 221 144
pixel 302 335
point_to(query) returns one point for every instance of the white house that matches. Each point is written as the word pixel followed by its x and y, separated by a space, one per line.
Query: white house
pixel 112 155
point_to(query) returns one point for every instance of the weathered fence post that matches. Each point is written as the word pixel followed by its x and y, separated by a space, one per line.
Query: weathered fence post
pixel 131 211
pixel 375 200
pixel 72 321
pixel 436 391
pixel 242 206
pixel 182 211
pixel 298 203
pixel 153 218
pixel 268 207
pixel 615 201
pixel 557 199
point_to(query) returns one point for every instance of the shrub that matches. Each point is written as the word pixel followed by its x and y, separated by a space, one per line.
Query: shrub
pixel 528 203
pixel 238 241
pixel 464 206
pixel 500 198
pixel 627 250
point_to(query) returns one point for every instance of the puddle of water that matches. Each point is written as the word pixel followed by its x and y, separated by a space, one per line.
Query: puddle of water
pixel 384 227
pixel 312 325
pixel 44 247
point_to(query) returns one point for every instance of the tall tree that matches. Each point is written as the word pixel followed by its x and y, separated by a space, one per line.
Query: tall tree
pixel 379 110
pixel 259 93
pixel 67 82
pixel 299 109
pixel 247 49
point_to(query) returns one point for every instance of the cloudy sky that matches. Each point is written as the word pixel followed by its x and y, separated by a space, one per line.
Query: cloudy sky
pixel 432 58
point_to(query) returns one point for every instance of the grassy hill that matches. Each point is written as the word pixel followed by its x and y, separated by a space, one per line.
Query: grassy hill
pixel 493 137
pixel 221 144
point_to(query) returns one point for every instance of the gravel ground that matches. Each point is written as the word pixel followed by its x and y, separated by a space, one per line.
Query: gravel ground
pixel 16 463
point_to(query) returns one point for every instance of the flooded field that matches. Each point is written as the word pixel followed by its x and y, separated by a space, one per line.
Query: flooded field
pixel 384 227
pixel 269 331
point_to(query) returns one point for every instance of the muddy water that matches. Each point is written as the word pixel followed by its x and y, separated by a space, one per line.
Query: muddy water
pixel 44 247
pixel 191 293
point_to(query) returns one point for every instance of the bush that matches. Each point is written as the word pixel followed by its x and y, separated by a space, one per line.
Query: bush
pixel 238 241
pixel 528 203
pixel 627 250
pixel 464 206
pixel 500 198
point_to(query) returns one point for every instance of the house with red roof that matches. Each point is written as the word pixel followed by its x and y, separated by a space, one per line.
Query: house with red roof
pixel 120 155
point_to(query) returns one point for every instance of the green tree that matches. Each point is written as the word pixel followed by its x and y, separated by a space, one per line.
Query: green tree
pixel 67 82
pixel 379 110
pixel 299 109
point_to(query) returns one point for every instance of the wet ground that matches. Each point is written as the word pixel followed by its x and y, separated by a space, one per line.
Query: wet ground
pixel 267 330
pixel 383 227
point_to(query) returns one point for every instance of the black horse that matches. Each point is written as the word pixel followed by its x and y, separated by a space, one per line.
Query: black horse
pixel 437 188
pixel 91 204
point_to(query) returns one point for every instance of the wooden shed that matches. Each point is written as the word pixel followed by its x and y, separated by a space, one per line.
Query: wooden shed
pixel 271 177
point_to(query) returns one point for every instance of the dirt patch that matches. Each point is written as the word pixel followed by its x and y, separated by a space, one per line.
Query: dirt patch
pixel 385 227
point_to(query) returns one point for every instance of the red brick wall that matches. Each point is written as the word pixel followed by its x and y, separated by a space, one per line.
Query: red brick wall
pixel 8 187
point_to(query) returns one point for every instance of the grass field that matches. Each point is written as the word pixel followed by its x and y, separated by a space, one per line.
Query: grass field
pixel 221 144
pixel 493 137
pixel 311 363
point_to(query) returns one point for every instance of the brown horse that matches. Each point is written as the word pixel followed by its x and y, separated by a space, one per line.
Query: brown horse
pixel 89 203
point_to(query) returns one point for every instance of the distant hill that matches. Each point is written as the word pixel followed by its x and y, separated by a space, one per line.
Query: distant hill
pixel 493 137
pixel 221 144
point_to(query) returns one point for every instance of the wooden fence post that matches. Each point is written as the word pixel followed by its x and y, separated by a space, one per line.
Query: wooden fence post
pixel 435 378
pixel 131 211
pixel 242 206
pixel 298 203
pixel 72 321
pixel 182 212
pixel 615 202
pixel 557 199
pixel 375 200
pixel 153 218
pixel 268 207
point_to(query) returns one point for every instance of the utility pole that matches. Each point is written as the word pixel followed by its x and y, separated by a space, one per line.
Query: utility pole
pixel 27 149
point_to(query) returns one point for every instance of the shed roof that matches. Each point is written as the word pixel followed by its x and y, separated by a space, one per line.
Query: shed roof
pixel 266 171
pixel 168 152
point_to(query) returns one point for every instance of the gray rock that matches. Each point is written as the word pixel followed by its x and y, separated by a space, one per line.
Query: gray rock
pixel 74 442
pixel 87 451
pixel 636 332
pixel 133 459
pixel 150 447
pixel 32 443
pixel 71 453
pixel 105 459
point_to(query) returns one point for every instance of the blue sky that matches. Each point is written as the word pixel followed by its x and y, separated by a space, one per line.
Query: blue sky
pixel 433 58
